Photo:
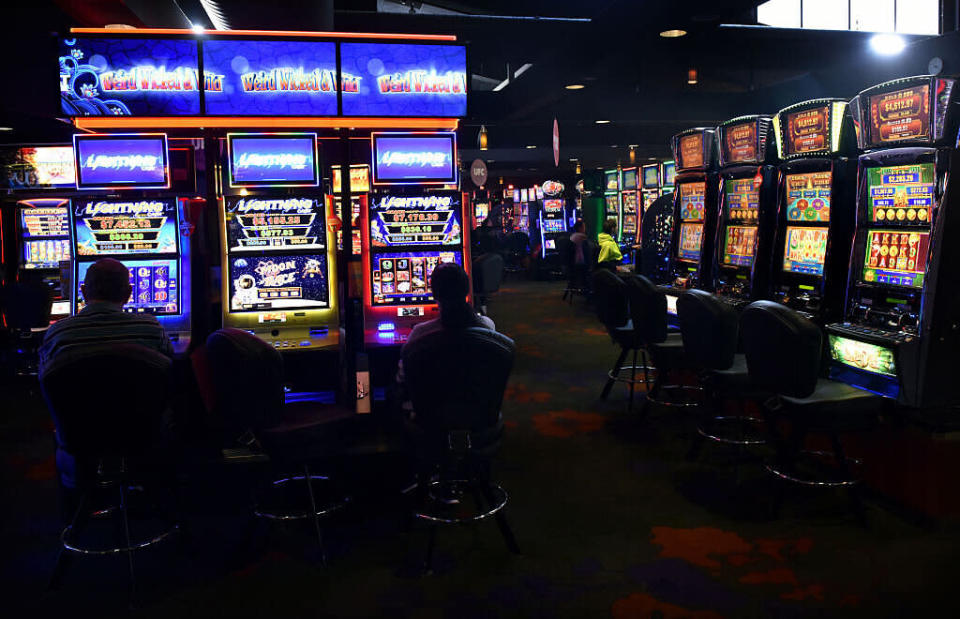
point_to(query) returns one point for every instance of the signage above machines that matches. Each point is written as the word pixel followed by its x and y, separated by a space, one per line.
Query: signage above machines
pixel 39 167
pixel 414 158
pixel 359 178
pixel 273 159
pixel 122 160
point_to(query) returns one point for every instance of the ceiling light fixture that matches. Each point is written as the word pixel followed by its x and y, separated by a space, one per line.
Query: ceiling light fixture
pixel 482 137
pixel 602 122
pixel 887 44
pixel 692 76
pixel 531 146
pixel 574 86
pixel 633 154
pixel 6 128
pixel 673 33
pixel 578 170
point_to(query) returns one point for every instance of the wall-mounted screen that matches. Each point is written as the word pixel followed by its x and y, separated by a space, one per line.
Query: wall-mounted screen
pixel 135 161
pixel 115 227
pixel 901 194
pixel 691 151
pixel 155 286
pixel 896 257
pixel 270 78
pixel 740 143
pixel 808 196
pixel 414 158
pixel 691 240
pixel 129 77
pixel 900 115
pixel 39 167
pixel 273 159
pixel 278 282
pixel 275 223
pixel 805 250
pixel 433 219
pixel 389 79
pixel 740 245
pixel 692 196
pixel 403 278
pixel 808 130
pixel 651 176
pixel 630 178
pixel 359 179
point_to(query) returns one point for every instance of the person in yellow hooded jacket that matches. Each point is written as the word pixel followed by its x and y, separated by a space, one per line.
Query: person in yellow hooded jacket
pixel 610 255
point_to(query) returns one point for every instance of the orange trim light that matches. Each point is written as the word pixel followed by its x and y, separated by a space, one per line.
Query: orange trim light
pixel 267 33
pixel 258 122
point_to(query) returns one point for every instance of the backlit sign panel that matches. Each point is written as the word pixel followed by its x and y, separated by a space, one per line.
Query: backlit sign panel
pixel 121 160
pixel 273 159
pixel 414 158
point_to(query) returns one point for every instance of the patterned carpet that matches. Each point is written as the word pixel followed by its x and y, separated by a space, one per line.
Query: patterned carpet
pixel 612 519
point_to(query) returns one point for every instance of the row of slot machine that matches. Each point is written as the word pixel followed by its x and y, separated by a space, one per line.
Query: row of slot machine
pixel 843 211
pixel 117 196
pixel 540 212
pixel 629 193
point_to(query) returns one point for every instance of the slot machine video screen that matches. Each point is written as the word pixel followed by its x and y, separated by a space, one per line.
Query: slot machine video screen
pixel 901 194
pixel 41 167
pixel 740 245
pixel 256 224
pixel 630 224
pixel 896 257
pixel 553 225
pixel 808 196
pixel 808 130
pixel 45 234
pixel 651 176
pixel 273 160
pixel 691 151
pixel 138 161
pixel 113 227
pixel 692 196
pixel 691 239
pixel 743 200
pixel 553 206
pixel 403 278
pixel 613 205
pixel 740 142
pixel 278 282
pixel 611 181
pixel 629 202
pixel 432 219
pixel 155 286
pixel 669 173
pixel 630 178
pixel 900 115
pixel 805 250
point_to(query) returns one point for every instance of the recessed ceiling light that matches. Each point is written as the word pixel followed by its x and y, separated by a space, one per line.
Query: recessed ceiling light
pixel 6 128
pixel 602 122
pixel 574 86
pixel 531 145
pixel 613 146
pixel 572 159
pixel 673 33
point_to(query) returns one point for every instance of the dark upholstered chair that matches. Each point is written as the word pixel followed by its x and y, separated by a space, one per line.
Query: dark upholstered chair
pixel 783 351
pixel 516 247
pixel 456 379
pixel 107 402
pixel 487 276
pixel 26 313
pixel 710 330
pixel 246 383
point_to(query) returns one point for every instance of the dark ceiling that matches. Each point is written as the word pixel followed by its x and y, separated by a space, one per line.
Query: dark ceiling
pixel 633 77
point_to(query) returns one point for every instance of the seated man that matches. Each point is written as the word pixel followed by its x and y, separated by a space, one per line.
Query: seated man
pixel 106 288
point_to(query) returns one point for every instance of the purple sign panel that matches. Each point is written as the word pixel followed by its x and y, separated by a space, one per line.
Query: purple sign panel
pixel 121 160
pixel 273 159
pixel 415 158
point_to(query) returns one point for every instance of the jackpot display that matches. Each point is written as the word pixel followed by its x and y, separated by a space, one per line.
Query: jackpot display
pixel 154 286
pixel 901 194
pixel 278 281
pixel 896 257
pixel 403 278
pixel 129 227
pixel 742 200
pixel 273 160
pixel 44 233
pixel 258 223
pixel 805 250
pixel 120 160
pixel 808 131
pixel 808 196
pixel 740 142
pixel 900 115
pixel 691 151
pixel 40 167
pixel 414 158
pixel 416 220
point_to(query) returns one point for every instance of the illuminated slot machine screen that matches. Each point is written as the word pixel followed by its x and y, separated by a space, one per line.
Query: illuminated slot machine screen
pixel 553 225
pixel 630 224
pixel 403 278
pixel 273 159
pixel 257 224
pixel 863 355
pixel 42 167
pixel 740 245
pixel 740 142
pixel 900 115
pixel 808 196
pixel 691 240
pixel 692 196
pixel 691 151
pixel 651 177
pixel 896 257
pixel 630 178
pixel 629 202
pixel 481 210
pixel 742 200
pixel 901 195
pixel 669 173
pixel 45 236
pixel 611 181
pixel 154 286
pixel 126 227
pixel 613 204
pixel 808 131
pixel 805 250
pixel 278 281
pixel 553 206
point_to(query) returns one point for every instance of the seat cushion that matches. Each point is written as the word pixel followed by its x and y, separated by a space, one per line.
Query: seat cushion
pixel 836 405
pixel 669 353
pixel 736 378
pixel 309 429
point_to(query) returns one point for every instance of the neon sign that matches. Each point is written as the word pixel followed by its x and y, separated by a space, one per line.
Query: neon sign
pixel 128 160
pixel 414 158
pixel 273 159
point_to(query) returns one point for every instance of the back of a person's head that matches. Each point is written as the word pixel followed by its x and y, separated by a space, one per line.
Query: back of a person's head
pixel 579 226
pixel 107 280
pixel 610 226
pixel 450 285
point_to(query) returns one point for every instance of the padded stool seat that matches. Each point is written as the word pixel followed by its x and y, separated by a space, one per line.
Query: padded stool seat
pixel 306 426
pixel 735 378
pixel 669 353
pixel 835 405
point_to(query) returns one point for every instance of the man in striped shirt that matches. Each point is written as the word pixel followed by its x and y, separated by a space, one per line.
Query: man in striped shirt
pixel 106 288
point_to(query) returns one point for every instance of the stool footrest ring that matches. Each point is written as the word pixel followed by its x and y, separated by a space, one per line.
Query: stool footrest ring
pixel 792 476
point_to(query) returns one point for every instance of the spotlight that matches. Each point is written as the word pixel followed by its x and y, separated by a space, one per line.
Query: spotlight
pixel 887 44
pixel 197 29
pixel 602 122
pixel 673 34
pixel 574 86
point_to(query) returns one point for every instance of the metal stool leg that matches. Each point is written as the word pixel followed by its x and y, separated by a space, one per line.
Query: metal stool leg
pixel 633 381
pixel 614 373
pixel 65 557
pixel 431 543
pixel 126 532
pixel 316 517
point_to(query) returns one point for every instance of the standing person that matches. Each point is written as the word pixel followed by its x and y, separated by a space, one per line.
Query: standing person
pixel 610 255
pixel 578 237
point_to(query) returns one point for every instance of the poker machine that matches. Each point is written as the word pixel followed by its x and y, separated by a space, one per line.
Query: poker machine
pixel 278 256
pixel 746 223
pixel 129 213
pixel 552 218
pixel 359 195
pixel 650 179
pixel 630 211
pixel 694 214
pixel 899 334
pixel 669 177
pixel 611 199
pixel 815 207
pixel 45 240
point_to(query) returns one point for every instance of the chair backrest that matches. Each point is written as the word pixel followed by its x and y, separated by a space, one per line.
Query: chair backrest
pixel 107 399
pixel 567 250
pixel 648 309
pixel 518 242
pixel 26 305
pixel 487 273
pixel 709 328
pixel 456 378
pixel 783 348
pixel 610 299
pixel 246 374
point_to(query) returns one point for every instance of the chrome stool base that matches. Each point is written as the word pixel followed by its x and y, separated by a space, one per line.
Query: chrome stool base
pixel 444 497
pixel 329 508
pixel 676 402
pixel 744 440
pixel 843 479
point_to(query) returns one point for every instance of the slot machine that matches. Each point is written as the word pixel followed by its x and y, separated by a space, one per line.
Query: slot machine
pixel 278 256
pixel 694 214
pixel 611 199
pixel 669 177
pixel 746 222
pixel 816 207
pixel 552 217
pixel 650 184
pixel 131 215
pixel 899 332
pixel 630 210
pixel 359 195
pixel 46 245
